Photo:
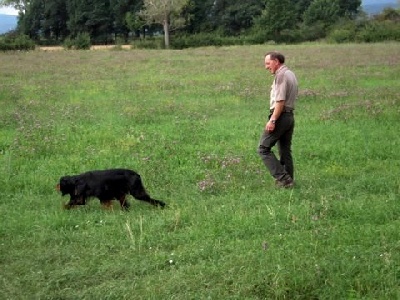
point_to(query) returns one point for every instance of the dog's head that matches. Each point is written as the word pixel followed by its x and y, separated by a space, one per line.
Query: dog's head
pixel 67 185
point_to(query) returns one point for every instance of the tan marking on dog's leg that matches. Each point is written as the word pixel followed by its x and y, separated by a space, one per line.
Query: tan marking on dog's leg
pixel 107 205
pixel 68 206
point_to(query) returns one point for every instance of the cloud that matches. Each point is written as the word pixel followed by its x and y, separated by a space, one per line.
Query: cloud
pixel 7 10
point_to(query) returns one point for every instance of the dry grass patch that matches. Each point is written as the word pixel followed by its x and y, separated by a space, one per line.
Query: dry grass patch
pixel 94 47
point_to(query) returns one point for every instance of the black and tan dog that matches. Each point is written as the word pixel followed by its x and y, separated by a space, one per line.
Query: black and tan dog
pixel 106 185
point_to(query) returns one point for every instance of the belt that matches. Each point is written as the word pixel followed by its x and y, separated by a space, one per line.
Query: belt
pixel 285 110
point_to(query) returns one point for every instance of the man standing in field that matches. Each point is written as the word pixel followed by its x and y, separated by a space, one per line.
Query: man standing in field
pixel 280 125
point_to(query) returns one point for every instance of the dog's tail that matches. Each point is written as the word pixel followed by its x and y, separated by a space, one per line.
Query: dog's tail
pixel 157 203
pixel 145 197
pixel 138 191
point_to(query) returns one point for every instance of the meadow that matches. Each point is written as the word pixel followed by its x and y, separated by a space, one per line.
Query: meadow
pixel 189 122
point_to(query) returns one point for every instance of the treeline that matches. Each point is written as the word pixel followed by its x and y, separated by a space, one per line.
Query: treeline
pixel 201 22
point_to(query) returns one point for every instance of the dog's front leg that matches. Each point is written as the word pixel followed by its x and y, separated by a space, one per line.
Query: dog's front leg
pixel 74 201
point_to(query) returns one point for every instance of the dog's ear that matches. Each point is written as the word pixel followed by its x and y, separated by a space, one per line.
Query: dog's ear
pixel 65 180
pixel 66 185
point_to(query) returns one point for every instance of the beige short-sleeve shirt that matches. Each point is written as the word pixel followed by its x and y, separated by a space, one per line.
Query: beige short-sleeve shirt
pixel 284 88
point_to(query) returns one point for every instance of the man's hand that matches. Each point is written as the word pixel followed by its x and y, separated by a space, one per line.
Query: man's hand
pixel 279 106
pixel 270 127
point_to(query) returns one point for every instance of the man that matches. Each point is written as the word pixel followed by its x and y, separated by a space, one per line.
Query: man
pixel 280 125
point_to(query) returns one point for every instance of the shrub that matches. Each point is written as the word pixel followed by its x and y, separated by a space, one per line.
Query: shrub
pixel 344 31
pixel 258 37
pixel 341 36
pixel 16 42
pixel 68 43
pixel 312 32
pixel 379 31
pixel 290 36
pixel 82 41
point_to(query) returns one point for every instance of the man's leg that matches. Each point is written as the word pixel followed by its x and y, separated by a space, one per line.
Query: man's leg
pixel 285 151
pixel 267 141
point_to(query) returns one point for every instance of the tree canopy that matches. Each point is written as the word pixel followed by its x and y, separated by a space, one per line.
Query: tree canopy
pixel 105 21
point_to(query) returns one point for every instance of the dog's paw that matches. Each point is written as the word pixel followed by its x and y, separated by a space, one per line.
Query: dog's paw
pixel 67 206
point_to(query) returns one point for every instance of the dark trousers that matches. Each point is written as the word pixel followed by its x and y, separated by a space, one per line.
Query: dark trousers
pixel 282 135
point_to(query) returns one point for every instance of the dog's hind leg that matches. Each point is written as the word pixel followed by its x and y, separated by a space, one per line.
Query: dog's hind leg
pixel 124 203
pixel 107 204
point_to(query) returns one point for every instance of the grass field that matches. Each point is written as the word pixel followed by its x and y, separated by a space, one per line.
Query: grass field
pixel 189 122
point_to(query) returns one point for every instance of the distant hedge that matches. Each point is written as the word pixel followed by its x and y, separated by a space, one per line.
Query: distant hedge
pixel 370 32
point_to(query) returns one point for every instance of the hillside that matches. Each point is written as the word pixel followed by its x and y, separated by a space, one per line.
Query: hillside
pixel 7 23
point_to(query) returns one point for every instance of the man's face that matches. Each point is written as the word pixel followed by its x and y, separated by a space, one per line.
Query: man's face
pixel 271 64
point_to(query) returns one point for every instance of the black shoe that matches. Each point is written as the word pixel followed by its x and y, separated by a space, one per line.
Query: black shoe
pixel 287 183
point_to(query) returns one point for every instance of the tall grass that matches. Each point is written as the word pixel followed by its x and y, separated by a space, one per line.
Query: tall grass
pixel 189 122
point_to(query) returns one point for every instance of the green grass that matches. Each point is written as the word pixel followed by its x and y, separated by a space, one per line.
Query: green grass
pixel 189 122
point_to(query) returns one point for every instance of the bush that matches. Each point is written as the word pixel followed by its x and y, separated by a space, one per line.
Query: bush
pixel 257 37
pixel 68 43
pixel 81 42
pixel 260 35
pixel 344 31
pixel 379 32
pixel 16 42
pixel 313 32
pixel 341 36
pixel 290 36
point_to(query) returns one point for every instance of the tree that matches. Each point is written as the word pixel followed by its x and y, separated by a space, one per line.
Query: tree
pixel 325 12
pixel 349 8
pixel 55 19
pixel 91 16
pixel 301 6
pixel 124 13
pixel 32 19
pixel 389 14
pixel 19 5
pixel 166 13
pixel 239 15
pixel 134 23
pixel 199 16
pixel 40 18
pixel 278 15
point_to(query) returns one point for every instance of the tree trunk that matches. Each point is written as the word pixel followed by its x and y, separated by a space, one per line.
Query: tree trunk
pixel 166 33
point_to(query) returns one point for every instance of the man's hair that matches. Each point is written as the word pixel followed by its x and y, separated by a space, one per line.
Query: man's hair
pixel 276 55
